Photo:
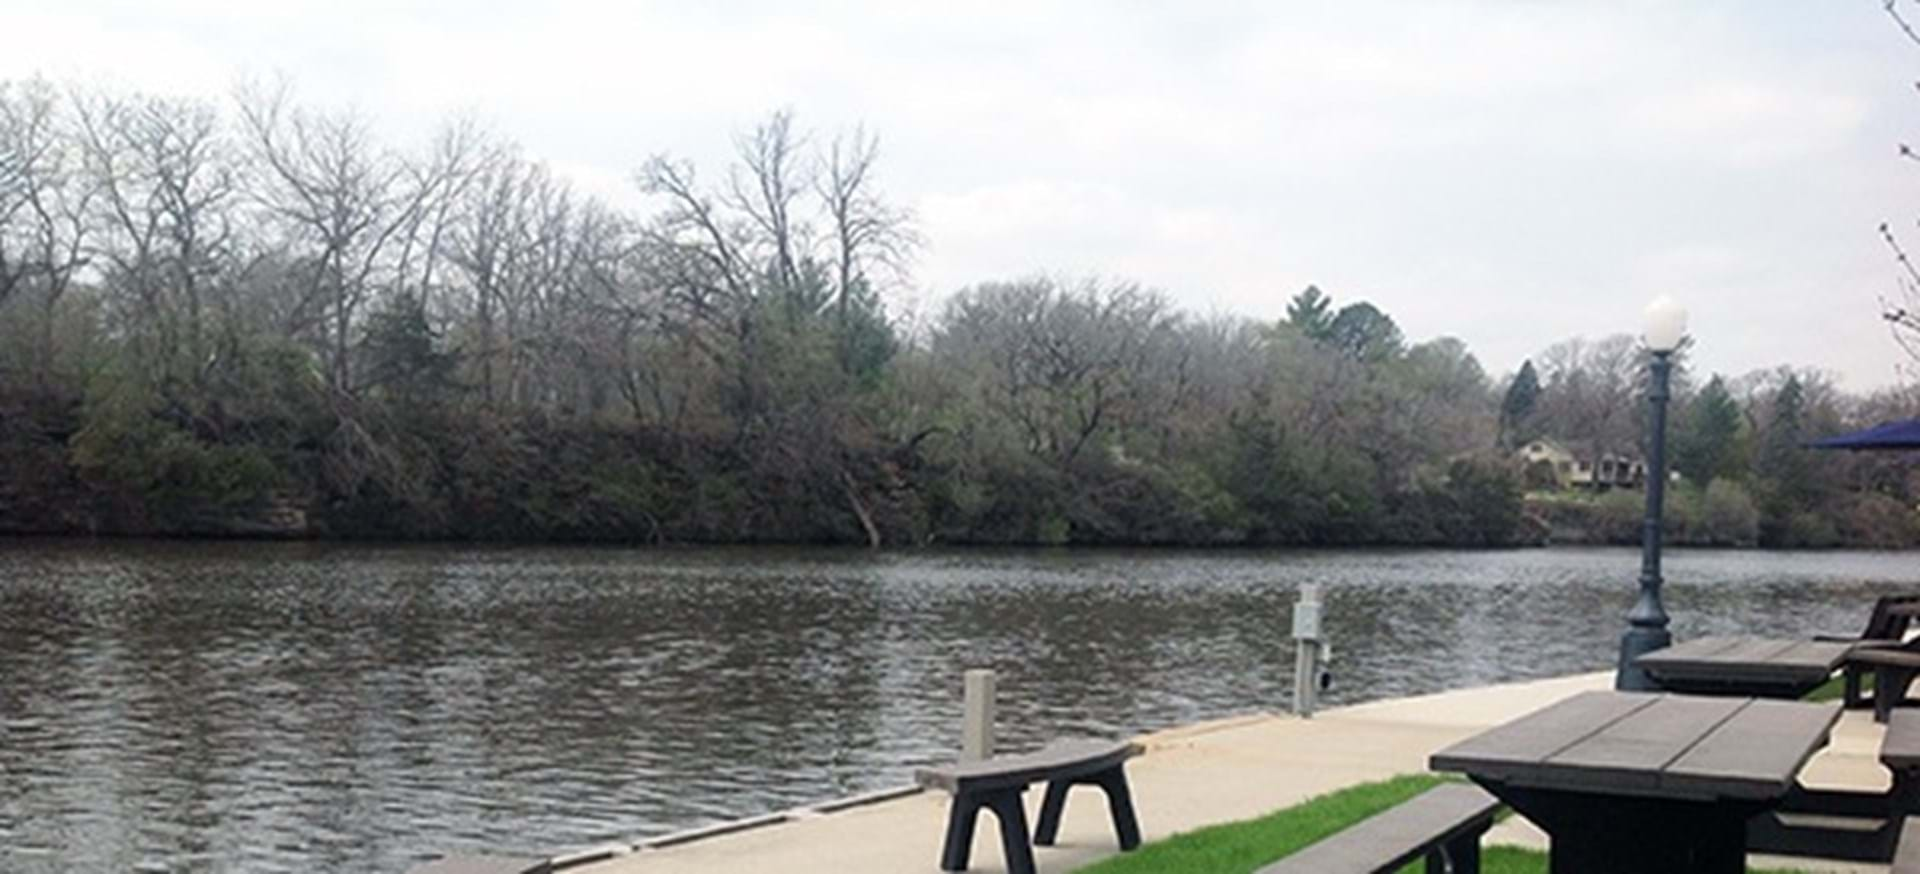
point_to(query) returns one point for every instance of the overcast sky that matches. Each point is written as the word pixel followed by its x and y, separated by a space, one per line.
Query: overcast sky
pixel 1509 173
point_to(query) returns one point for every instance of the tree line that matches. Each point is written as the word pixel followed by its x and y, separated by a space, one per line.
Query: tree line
pixel 1737 446
pixel 252 315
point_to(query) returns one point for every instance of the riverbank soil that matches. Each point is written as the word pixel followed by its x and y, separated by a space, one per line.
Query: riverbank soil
pixel 1205 774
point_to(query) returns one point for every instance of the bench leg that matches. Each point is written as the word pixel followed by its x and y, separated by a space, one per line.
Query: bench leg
pixel 958 849
pixel 1013 831
pixel 1460 856
pixel 1120 802
pixel 1465 858
pixel 1889 689
pixel 1850 684
pixel 1047 830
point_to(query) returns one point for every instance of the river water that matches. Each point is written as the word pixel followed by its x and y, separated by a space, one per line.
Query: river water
pixel 303 707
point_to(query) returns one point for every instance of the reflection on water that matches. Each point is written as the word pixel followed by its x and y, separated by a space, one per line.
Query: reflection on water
pixel 261 707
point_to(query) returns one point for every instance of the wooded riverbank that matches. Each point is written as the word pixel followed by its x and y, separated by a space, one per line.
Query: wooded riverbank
pixel 247 318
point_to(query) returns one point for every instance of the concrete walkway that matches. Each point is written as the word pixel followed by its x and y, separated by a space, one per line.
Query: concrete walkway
pixel 1200 775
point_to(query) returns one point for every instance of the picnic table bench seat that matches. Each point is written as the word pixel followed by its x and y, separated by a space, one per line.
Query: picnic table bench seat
pixel 1442 825
pixel 997 783
pixel 1848 823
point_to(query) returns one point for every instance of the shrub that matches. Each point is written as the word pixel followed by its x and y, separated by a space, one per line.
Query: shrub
pixel 169 479
pixel 1875 520
pixel 1811 531
pixel 1619 515
pixel 1486 500
pixel 1728 516
pixel 1540 477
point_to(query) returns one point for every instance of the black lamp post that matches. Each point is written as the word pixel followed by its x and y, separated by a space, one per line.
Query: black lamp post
pixel 1647 621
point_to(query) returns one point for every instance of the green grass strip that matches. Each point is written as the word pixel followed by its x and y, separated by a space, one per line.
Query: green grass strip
pixel 1242 847
pixel 1832 689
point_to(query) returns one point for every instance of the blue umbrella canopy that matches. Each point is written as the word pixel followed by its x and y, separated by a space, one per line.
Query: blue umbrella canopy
pixel 1903 434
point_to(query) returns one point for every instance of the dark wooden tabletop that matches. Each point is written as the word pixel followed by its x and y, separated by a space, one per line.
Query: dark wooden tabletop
pixel 1735 659
pixel 1656 745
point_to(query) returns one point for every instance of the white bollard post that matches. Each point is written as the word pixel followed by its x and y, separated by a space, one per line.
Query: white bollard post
pixel 1306 651
pixel 976 731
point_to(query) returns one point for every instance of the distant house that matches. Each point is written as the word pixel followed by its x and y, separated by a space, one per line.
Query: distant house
pixel 1580 465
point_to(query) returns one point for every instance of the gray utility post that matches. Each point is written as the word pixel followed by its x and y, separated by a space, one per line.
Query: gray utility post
pixel 976 731
pixel 1307 651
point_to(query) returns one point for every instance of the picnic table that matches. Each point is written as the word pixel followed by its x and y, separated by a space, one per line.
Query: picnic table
pixel 1636 782
pixel 1745 666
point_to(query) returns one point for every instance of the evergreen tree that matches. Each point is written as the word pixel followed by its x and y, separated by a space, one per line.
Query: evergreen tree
pixel 1364 332
pixel 1516 410
pixel 402 354
pixel 1782 463
pixel 1781 454
pixel 1708 444
pixel 1309 312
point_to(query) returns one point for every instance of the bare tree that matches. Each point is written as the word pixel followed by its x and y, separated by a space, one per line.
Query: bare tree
pixel 43 207
pixel 1590 392
pixel 764 186
pixel 869 235
pixel 1903 313
pixel 17 160
pixel 701 258
pixel 1906 27
pixel 163 187
pixel 1065 363
pixel 452 167
pixel 347 207
pixel 484 246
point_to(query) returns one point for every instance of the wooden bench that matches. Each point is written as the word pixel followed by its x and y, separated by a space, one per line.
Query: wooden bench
pixel 1894 669
pixel 1443 825
pixel 997 783
pixel 1887 625
pixel 1891 617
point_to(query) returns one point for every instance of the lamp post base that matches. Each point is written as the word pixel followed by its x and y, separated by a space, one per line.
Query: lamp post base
pixel 1638 641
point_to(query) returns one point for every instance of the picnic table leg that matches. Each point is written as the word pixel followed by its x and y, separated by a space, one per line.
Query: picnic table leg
pixel 958 849
pixel 1120 802
pixel 1605 834
pixel 1013 831
pixel 1850 686
pixel 1708 849
pixel 1048 829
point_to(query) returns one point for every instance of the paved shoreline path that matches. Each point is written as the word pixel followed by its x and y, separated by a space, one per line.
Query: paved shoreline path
pixel 1201 775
